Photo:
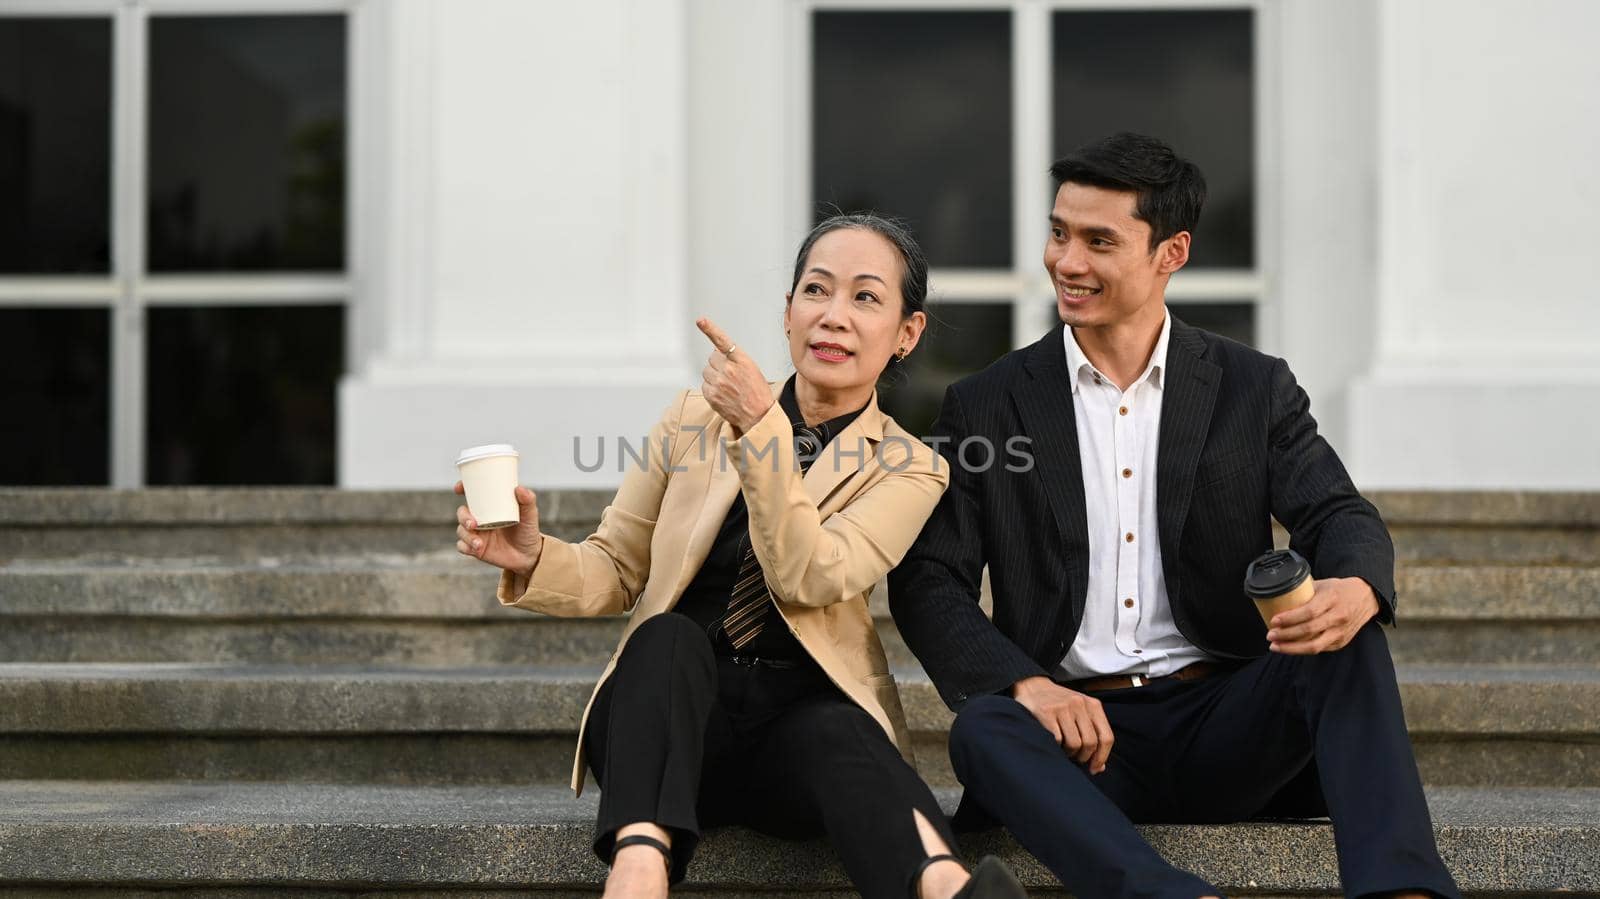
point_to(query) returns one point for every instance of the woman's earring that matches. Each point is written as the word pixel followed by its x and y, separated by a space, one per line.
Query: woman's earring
pixel 902 353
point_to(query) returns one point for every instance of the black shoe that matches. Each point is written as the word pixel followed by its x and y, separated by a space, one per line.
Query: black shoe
pixel 992 879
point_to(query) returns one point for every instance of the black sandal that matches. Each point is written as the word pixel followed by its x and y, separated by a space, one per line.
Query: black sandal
pixel 640 839
pixel 916 876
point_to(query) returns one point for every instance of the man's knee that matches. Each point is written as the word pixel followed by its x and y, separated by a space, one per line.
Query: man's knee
pixel 1358 665
pixel 1369 646
pixel 981 725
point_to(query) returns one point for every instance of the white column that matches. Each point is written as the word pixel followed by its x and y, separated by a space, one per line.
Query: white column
pixel 1487 371
pixel 749 171
pixel 1323 285
pixel 522 269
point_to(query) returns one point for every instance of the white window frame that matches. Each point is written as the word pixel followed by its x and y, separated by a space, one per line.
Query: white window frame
pixel 129 289
pixel 1025 287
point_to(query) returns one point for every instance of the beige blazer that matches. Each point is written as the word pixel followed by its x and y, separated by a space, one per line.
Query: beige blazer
pixel 823 540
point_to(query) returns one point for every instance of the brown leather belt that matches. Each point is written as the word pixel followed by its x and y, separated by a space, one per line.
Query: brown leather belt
pixel 1192 671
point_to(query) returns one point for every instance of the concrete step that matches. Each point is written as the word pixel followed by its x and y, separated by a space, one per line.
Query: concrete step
pixel 220 524
pixel 294 838
pixel 1513 527
pixel 439 610
pixel 1509 527
pixel 1470 726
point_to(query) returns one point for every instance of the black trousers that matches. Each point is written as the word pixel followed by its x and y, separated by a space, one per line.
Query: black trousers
pixel 684 739
pixel 1211 751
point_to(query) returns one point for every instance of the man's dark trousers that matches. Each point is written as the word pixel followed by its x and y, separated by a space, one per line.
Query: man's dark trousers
pixel 1212 750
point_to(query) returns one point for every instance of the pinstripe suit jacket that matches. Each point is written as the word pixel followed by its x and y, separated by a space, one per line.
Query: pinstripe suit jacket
pixel 1237 447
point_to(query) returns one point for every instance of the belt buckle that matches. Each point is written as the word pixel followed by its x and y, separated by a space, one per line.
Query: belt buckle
pixel 1138 680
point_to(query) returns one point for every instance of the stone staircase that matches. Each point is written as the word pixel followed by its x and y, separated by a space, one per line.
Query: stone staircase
pixel 308 693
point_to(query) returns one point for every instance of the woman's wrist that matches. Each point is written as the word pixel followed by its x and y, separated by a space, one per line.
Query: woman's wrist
pixel 522 575
pixel 526 571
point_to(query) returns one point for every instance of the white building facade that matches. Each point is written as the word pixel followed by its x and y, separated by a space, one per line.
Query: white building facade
pixel 541 198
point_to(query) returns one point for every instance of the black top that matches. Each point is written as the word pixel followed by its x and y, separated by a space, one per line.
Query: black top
pixel 706 598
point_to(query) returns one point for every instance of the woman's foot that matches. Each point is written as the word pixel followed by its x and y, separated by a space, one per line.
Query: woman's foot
pixel 942 879
pixel 637 872
pixel 641 864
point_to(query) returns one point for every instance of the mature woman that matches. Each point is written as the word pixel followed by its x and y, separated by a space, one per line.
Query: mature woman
pixel 749 686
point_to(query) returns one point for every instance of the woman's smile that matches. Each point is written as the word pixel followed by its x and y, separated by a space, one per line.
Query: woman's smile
pixel 830 352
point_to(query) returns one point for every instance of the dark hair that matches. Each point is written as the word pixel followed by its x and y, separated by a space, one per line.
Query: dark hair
pixel 914 265
pixel 1171 189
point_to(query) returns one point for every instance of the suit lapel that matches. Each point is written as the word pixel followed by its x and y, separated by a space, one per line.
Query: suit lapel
pixel 845 455
pixel 1189 393
pixel 1044 403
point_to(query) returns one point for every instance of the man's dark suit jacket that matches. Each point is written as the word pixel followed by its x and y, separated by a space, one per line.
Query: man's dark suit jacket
pixel 1238 447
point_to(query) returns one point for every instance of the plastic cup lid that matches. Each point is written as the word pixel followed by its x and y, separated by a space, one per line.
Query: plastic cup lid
pixel 485 451
pixel 1275 573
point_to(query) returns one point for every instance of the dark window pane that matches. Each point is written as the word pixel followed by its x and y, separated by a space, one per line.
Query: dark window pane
pixel 961 338
pixel 55 146
pixel 247 143
pixel 1232 320
pixel 55 390
pixel 1185 77
pixel 242 395
pixel 911 117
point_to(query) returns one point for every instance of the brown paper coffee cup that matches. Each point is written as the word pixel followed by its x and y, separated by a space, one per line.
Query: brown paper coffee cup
pixel 1272 606
pixel 1278 581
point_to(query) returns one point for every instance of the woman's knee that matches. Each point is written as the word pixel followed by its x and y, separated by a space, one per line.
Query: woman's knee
pixel 668 630
pixel 669 641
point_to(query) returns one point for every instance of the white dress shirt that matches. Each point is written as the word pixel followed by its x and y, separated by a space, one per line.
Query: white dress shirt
pixel 1127 622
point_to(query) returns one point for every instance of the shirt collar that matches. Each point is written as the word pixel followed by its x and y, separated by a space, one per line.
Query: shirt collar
pixel 830 429
pixel 1082 368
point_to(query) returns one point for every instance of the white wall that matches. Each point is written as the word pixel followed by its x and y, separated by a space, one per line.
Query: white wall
pixel 553 191
pixel 1487 370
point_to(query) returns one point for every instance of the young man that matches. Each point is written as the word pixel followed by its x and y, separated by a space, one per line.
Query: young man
pixel 1125 677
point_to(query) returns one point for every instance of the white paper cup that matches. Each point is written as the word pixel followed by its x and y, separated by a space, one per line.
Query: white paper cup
pixel 489 474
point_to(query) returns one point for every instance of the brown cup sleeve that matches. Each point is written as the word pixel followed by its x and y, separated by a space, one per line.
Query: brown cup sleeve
pixel 1284 602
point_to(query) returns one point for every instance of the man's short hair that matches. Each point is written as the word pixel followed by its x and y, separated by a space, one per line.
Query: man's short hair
pixel 1170 189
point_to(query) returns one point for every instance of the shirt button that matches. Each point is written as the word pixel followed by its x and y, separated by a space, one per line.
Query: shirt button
pixel 1128 603
pixel 1129 537
pixel 1127 472
pixel 1123 411
pixel 1138 652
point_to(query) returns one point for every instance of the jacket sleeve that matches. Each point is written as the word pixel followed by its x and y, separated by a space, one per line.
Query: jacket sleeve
pixel 604 574
pixel 934 593
pixel 1329 521
pixel 812 561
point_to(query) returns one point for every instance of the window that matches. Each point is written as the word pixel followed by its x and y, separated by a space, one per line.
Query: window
pixel 950 119
pixel 173 284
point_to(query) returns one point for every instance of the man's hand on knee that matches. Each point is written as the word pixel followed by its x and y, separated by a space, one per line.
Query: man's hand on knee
pixel 1338 609
pixel 1077 721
